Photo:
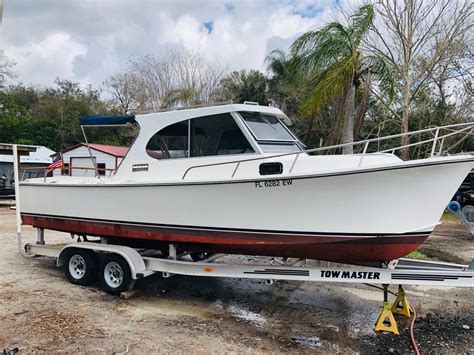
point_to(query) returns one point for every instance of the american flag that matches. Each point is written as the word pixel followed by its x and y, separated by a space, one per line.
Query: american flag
pixel 57 163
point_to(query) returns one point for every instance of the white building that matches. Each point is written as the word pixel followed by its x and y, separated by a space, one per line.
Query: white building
pixel 77 159
pixel 40 159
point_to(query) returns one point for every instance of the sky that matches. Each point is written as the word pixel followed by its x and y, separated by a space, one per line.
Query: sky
pixel 88 40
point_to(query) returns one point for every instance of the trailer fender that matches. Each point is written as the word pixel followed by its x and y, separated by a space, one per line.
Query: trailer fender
pixel 133 258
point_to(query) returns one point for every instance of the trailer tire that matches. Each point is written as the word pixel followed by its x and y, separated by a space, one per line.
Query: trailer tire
pixel 80 266
pixel 115 275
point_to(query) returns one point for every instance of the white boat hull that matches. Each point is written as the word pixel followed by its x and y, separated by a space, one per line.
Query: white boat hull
pixel 370 214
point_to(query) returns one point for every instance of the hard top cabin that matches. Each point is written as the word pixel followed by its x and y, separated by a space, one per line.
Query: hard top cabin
pixel 235 141
pixel 170 143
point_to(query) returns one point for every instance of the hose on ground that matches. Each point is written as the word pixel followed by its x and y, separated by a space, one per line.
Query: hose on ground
pixel 412 332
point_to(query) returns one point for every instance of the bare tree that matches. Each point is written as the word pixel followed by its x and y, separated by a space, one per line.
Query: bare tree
pixel 177 79
pixel 451 82
pixel 6 68
pixel 407 31
pixel 126 90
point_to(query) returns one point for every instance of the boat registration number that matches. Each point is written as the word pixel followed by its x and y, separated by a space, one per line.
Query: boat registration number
pixel 273 183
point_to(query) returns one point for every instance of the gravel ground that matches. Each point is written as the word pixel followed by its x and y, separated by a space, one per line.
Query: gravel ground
pixel 40 312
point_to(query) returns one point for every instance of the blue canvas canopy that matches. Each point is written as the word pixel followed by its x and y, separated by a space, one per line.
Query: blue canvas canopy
pixel 106 120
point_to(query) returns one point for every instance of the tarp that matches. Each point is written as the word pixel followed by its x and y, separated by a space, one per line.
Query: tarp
pixel 105 120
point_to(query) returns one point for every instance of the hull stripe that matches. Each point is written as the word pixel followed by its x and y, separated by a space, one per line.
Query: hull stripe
pixel 340 248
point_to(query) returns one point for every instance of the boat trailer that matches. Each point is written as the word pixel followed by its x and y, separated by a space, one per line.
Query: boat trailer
pixel 117 268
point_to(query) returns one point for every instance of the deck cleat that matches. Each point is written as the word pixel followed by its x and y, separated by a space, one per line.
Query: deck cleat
pixel 401 304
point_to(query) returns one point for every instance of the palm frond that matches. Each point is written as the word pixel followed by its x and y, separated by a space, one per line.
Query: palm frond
pixel 275 55
pixel 318 49
pixel 362 20
pixel 382 72
pixel 332 56
pixel 276 62
pixel 330 84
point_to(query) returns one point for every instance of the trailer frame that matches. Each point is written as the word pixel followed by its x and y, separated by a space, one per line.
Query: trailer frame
pixel 399 272
pixel 133 265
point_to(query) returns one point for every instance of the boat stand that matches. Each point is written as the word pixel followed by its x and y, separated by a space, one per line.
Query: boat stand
pixel 401 304
pixel 386 321
pixel 398 272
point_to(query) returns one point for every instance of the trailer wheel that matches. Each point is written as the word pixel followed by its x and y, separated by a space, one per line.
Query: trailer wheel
pixel 80 266
pixel 115 275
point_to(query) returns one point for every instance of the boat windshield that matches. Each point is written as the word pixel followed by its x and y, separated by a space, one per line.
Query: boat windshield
pixel 270 133
pixel 266 127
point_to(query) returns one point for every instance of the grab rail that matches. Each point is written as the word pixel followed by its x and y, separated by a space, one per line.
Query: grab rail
pixel 366 142
pixel 44 170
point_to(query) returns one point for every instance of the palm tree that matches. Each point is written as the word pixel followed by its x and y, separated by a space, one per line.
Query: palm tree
pixel 287 87
pixel 286 84
pixel 240 86
pixel 333 55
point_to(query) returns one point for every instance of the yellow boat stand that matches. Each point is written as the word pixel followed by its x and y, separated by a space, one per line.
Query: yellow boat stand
pixel 401 305
pixel 386 321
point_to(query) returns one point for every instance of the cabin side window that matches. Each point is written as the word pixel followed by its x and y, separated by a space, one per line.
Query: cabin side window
pixel 217 135
pixel 201 136
pixel 169 143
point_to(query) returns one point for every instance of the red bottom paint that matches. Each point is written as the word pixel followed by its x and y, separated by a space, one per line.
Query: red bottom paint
pixel 340 248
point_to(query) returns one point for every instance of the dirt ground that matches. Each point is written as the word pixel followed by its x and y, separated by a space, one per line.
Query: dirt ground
pixel 40 312
pixel 451 242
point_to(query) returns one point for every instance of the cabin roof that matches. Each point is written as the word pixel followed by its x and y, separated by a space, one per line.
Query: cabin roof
pixel 178 115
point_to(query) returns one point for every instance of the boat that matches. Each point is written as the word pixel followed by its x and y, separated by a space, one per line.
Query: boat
pixel 234 179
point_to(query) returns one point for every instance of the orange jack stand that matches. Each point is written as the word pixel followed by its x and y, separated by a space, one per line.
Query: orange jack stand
pixel 386 322
pixel 401 305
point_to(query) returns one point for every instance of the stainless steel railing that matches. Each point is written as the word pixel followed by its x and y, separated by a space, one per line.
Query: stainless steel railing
pixel 459 128
pixel 43 171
